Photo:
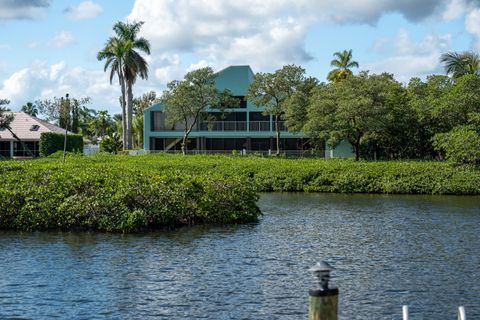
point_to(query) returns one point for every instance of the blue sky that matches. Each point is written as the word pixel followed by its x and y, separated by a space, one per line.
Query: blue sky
pixel 48 47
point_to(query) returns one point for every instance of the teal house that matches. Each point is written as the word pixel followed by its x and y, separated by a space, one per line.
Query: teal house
pixel 243 128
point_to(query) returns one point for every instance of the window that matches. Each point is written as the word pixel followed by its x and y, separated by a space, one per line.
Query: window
pixel 157 121
pixel 226 144
pixel 157 144
pixel 34 127
pixel 19 151
pixel 4 149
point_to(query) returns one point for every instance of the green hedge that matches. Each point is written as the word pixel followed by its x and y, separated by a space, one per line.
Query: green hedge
pixel 133 193
pixel 83 195
pixel 51 142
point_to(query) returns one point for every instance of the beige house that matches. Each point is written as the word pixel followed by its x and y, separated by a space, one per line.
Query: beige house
pixel 27 129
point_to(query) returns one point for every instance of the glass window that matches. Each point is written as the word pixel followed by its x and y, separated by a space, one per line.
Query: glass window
pixel 19 151
pixel 5 148
pixel 157 121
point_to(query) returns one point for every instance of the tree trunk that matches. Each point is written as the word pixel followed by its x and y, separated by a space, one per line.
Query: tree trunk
pixel 357 152
pixel 277 130
pixel 124 113
pixel 65 144
pixel 129 115
pixel 184 143
pixel 356 147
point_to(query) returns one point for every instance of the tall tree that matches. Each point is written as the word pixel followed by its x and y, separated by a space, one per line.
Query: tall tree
pixel 101 125
pixel 5 118
pixel 272 91
pixel 126 57
pixel 30 108
pixel 187 101
pixel 144 101
pixel 114 54
pixel 459 64
pixel 55 111
pixel 342 63
pixel 356 109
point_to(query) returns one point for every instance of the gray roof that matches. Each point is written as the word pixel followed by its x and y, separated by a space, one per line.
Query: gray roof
pixel 22 125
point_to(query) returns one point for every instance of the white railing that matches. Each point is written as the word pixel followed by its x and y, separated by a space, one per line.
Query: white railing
pixel 224 126
pixel 259 126
pixel 90 149
pixel 460 315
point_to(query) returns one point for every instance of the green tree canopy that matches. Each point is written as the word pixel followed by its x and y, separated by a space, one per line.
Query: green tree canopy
pixel 273 90
pixel 356 109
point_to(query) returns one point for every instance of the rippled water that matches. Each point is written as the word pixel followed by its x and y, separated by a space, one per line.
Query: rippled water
pixel 388 250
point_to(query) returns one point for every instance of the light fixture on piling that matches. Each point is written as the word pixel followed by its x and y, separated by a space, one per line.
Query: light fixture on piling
pixel 322 271
pixel 323 300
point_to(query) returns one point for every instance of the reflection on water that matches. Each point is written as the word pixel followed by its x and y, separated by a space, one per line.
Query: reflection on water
pixel 388 250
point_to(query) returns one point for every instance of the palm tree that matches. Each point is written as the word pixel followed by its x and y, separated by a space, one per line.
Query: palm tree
pixel 101 124
pixel 30 109
pixel 134 65
pixel 459 64
pixel 124 60
pixel 113 53
pixel 342 63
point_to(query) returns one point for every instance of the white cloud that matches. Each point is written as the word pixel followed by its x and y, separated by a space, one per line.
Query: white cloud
pixel 454 9
pixel 85 10
pixel 44 81
pixel 61 40
pixel 413 58
pixel 226 31
pixel 264 33
pixel 472 25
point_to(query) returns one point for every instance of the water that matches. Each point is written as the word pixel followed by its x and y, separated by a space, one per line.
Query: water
pixel 388 250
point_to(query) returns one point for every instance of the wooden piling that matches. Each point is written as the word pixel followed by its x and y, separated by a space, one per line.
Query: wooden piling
pixel 323 305
pixel 461 313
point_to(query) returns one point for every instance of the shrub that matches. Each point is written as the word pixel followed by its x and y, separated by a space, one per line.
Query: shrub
pixel 111 143
pixel 51 142
pixel 461 145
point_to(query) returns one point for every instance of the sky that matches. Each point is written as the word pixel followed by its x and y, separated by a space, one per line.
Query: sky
pixel 48 47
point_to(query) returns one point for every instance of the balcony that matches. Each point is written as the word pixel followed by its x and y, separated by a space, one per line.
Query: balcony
pixel 233 126
pixel 224 126
pixel 259 126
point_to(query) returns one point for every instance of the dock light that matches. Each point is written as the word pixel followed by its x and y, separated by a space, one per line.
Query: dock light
pixel 322 271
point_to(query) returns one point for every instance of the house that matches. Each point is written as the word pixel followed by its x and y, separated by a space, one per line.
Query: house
pixel 242 128
pixel 27 129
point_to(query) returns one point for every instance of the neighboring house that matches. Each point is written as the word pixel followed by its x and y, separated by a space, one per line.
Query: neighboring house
pixel 240 128
pixel 27 129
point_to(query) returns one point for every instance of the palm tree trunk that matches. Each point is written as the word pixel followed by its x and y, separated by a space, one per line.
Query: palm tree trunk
pixel 124 113
pixel 129 115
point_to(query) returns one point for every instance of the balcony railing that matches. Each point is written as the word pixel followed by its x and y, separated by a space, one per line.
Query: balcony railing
pixel 259 126
pixel 224 126
pixel 232 126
